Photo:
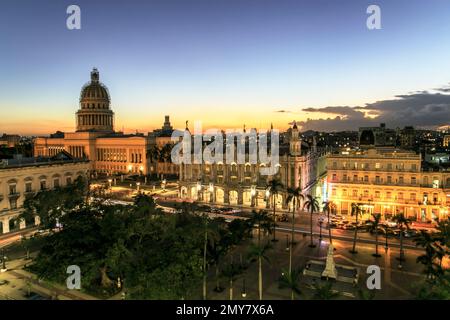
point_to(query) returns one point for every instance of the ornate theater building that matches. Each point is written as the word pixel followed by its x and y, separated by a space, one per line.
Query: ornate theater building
pixel 300 165
pixel 95 139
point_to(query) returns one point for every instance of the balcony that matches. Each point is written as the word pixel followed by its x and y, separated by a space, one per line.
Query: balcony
pixel 13 195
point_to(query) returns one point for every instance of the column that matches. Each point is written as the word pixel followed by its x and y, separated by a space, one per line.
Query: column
pixel 240 199
pixel 5 225
pixel 22 224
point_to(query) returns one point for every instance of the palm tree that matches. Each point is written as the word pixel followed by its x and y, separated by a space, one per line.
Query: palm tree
pixel 211 235
pixel 373 228
pixel 295 196
pixel 329 207
pixel 231 271
pixel 262 220
pixel 259 252
pixel 275 186
pixel 290 280
pixel 433 251
pixel 325 292
pixel 402 224
pixel 356 211
pixel 312 205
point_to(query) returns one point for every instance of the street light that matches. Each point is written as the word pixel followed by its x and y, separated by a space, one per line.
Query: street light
pixel 163 184
pixel 287 242
pixel 252 195
pixel 110 181
pixel 244 291
pixel 137 186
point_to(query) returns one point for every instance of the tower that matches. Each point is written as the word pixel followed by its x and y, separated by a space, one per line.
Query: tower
pixel 295 145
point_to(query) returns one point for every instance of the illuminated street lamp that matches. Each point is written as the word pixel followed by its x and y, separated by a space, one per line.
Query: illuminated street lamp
pixel 110 185
pixel 244 291
pixel 163 184
pixel 137 186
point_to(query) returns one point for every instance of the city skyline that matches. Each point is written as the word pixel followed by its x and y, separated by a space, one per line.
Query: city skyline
pixel 246 62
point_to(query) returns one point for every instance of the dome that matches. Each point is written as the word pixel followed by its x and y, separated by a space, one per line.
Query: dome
pixel 95 113
pixel 94 94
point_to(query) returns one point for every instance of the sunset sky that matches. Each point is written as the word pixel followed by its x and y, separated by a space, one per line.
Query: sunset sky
pixel 226 63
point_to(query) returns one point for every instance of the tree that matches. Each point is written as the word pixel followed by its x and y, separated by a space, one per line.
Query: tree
pixel 259 252
pixel 329 207
pixel 433 251
pixel 402 224
pixel 263 221
pixel 294 196
pixel 325 292
pixel 211 236
pixel 275 186
pixel 312 205
pixel 231 271
pixel 290 280
pixel 373 228
pixel 356 212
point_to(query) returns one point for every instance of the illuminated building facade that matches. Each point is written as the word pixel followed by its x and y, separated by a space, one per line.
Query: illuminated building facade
pixel 24 177
pixel 387 181
pixel 110 152
pixel 300 165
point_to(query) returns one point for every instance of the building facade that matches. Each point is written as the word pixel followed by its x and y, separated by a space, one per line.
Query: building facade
pixel 300 165
pixel 24 177
pixel 110 152
pixel 387 181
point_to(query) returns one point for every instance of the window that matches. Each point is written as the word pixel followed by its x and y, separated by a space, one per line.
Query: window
pixel 389 179
pixel 56 183
pixel 334 165
pixel 334 177
pixel 366 178
pixel 413 180
pixel 344 192
pixel 354 193
pixel 377 179
pixel 28 187
pixel 355 165
pixel 412 196
pixel 389 166
pixel 355 178
pixel 43 185
pixel 388 195
pixel 13 203
pixel 333 192
pixel 12 189
pixel 425 180
pixel 377 165
pixel 377 194
pixel 345 177
pixel 68 180
pixel 366 193
pixel 400 180
pixel 400 195
pixel 414 167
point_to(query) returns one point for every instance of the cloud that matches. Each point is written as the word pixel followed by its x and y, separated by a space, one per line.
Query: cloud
pixel 283 111
pixel 419 109
pixel 444 89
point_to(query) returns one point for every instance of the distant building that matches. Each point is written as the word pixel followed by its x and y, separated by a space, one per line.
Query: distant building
pixel 377 136
pixel 23 177
pixel 407 137
pixel 446 142
pixel 160 147
pixel 110 152
pixel 9 140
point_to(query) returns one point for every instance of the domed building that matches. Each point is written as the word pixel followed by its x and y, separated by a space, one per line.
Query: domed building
pixel 95 113
pixel 109 151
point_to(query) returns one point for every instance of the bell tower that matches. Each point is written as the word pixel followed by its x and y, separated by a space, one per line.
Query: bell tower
pixel 295 145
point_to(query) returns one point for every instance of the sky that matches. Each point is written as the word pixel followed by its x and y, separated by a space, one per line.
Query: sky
pixel 227 63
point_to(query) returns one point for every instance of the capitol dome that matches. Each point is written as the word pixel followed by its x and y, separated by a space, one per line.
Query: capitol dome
pixel 95 113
